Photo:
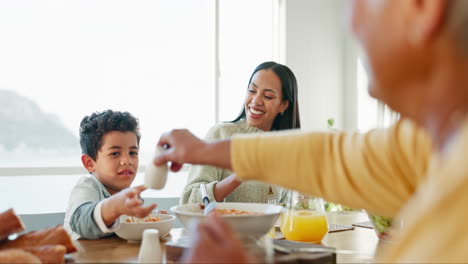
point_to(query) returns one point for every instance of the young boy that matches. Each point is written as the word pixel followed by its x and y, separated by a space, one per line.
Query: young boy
pixel 109 142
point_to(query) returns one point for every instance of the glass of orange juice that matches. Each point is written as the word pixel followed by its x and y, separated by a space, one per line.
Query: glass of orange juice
pixel 305 218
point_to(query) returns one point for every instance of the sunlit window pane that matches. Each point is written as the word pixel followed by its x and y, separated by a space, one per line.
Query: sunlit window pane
pixel 367 106
pixel 70 58
pixel 61 60
pixel 246 40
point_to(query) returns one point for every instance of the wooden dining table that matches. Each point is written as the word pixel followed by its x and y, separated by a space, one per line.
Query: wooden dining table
pixel 363 241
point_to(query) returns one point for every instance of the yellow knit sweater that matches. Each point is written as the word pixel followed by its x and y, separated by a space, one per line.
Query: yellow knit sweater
pixel 389 172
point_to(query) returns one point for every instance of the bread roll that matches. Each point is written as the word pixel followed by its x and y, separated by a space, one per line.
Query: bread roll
pixel 50 236
pixel 11 224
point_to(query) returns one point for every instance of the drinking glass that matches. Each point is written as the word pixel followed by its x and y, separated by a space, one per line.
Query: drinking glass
pixel 305 218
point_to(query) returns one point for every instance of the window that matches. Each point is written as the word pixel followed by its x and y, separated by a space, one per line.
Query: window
pixel 61 60
pixel 246 38
pixel 371 113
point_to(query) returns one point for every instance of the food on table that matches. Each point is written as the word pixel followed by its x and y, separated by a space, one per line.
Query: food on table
pixel 143 220
pixel 231 211
pixel 45 246
pixel 235 212
pixel 11 224
pixel 49 236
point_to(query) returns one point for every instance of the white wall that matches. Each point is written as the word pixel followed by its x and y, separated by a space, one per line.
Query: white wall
pixel 319 52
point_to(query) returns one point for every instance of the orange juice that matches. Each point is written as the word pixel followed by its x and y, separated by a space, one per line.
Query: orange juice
pixel 304 225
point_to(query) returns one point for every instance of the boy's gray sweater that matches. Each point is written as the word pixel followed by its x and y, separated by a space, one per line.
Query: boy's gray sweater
pixel 79 220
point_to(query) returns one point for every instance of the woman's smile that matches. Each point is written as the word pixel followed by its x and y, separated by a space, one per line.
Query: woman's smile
pixel 255 113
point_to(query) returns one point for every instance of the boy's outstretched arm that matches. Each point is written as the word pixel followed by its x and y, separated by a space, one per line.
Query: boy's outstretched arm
pixel 125 202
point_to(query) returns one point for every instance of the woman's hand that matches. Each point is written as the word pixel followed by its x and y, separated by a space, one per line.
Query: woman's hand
pixel 183 147
pixel 215 242
pixel 225 187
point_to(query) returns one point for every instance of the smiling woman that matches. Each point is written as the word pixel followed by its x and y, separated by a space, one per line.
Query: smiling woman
pixel 270 104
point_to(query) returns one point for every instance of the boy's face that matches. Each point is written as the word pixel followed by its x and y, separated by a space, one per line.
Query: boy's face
pixel 116 162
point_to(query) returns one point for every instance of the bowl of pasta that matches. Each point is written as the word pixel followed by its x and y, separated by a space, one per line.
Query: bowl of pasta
pixel 247 219
pixel 131 228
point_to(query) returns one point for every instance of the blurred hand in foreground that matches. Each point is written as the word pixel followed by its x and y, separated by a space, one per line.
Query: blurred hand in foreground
pixel 214 241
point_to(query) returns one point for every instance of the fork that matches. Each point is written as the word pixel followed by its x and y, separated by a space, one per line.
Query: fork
pixel 271 198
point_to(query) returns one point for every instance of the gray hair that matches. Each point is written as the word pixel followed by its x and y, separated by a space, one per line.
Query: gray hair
pixel 458 22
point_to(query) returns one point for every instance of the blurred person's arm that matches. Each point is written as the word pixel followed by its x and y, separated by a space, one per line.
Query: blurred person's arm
pixel 434 221
pixel 378 171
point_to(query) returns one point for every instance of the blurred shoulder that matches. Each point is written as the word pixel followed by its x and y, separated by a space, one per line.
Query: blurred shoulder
pixel 228 129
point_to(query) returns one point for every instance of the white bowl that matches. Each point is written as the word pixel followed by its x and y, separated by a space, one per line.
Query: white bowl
pixel 245 225
pixel 133 231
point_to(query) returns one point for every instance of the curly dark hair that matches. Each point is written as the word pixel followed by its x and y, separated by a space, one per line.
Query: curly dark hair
pixel 94 127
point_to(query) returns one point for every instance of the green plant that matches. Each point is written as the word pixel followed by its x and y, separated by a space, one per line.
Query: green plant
pixel 301 206
pixel 329 206
pixel 330 122
pixel 381 225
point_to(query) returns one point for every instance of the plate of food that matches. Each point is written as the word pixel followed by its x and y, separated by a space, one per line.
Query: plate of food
pixel 131 228
pixel 247 219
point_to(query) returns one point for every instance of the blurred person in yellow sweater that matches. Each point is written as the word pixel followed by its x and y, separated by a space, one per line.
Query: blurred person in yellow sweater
pixel 417 60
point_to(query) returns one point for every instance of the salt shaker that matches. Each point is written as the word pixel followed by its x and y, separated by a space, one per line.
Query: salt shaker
pixel 150 248
pixel 156 176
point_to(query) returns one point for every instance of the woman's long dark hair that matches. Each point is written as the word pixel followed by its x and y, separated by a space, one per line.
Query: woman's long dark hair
pixel 290 118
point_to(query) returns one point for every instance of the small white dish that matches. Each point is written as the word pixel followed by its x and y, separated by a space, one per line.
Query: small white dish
pixel 133 231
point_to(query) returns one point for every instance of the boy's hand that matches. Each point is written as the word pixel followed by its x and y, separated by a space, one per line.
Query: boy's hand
pixel 125 202
pixel 132 205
